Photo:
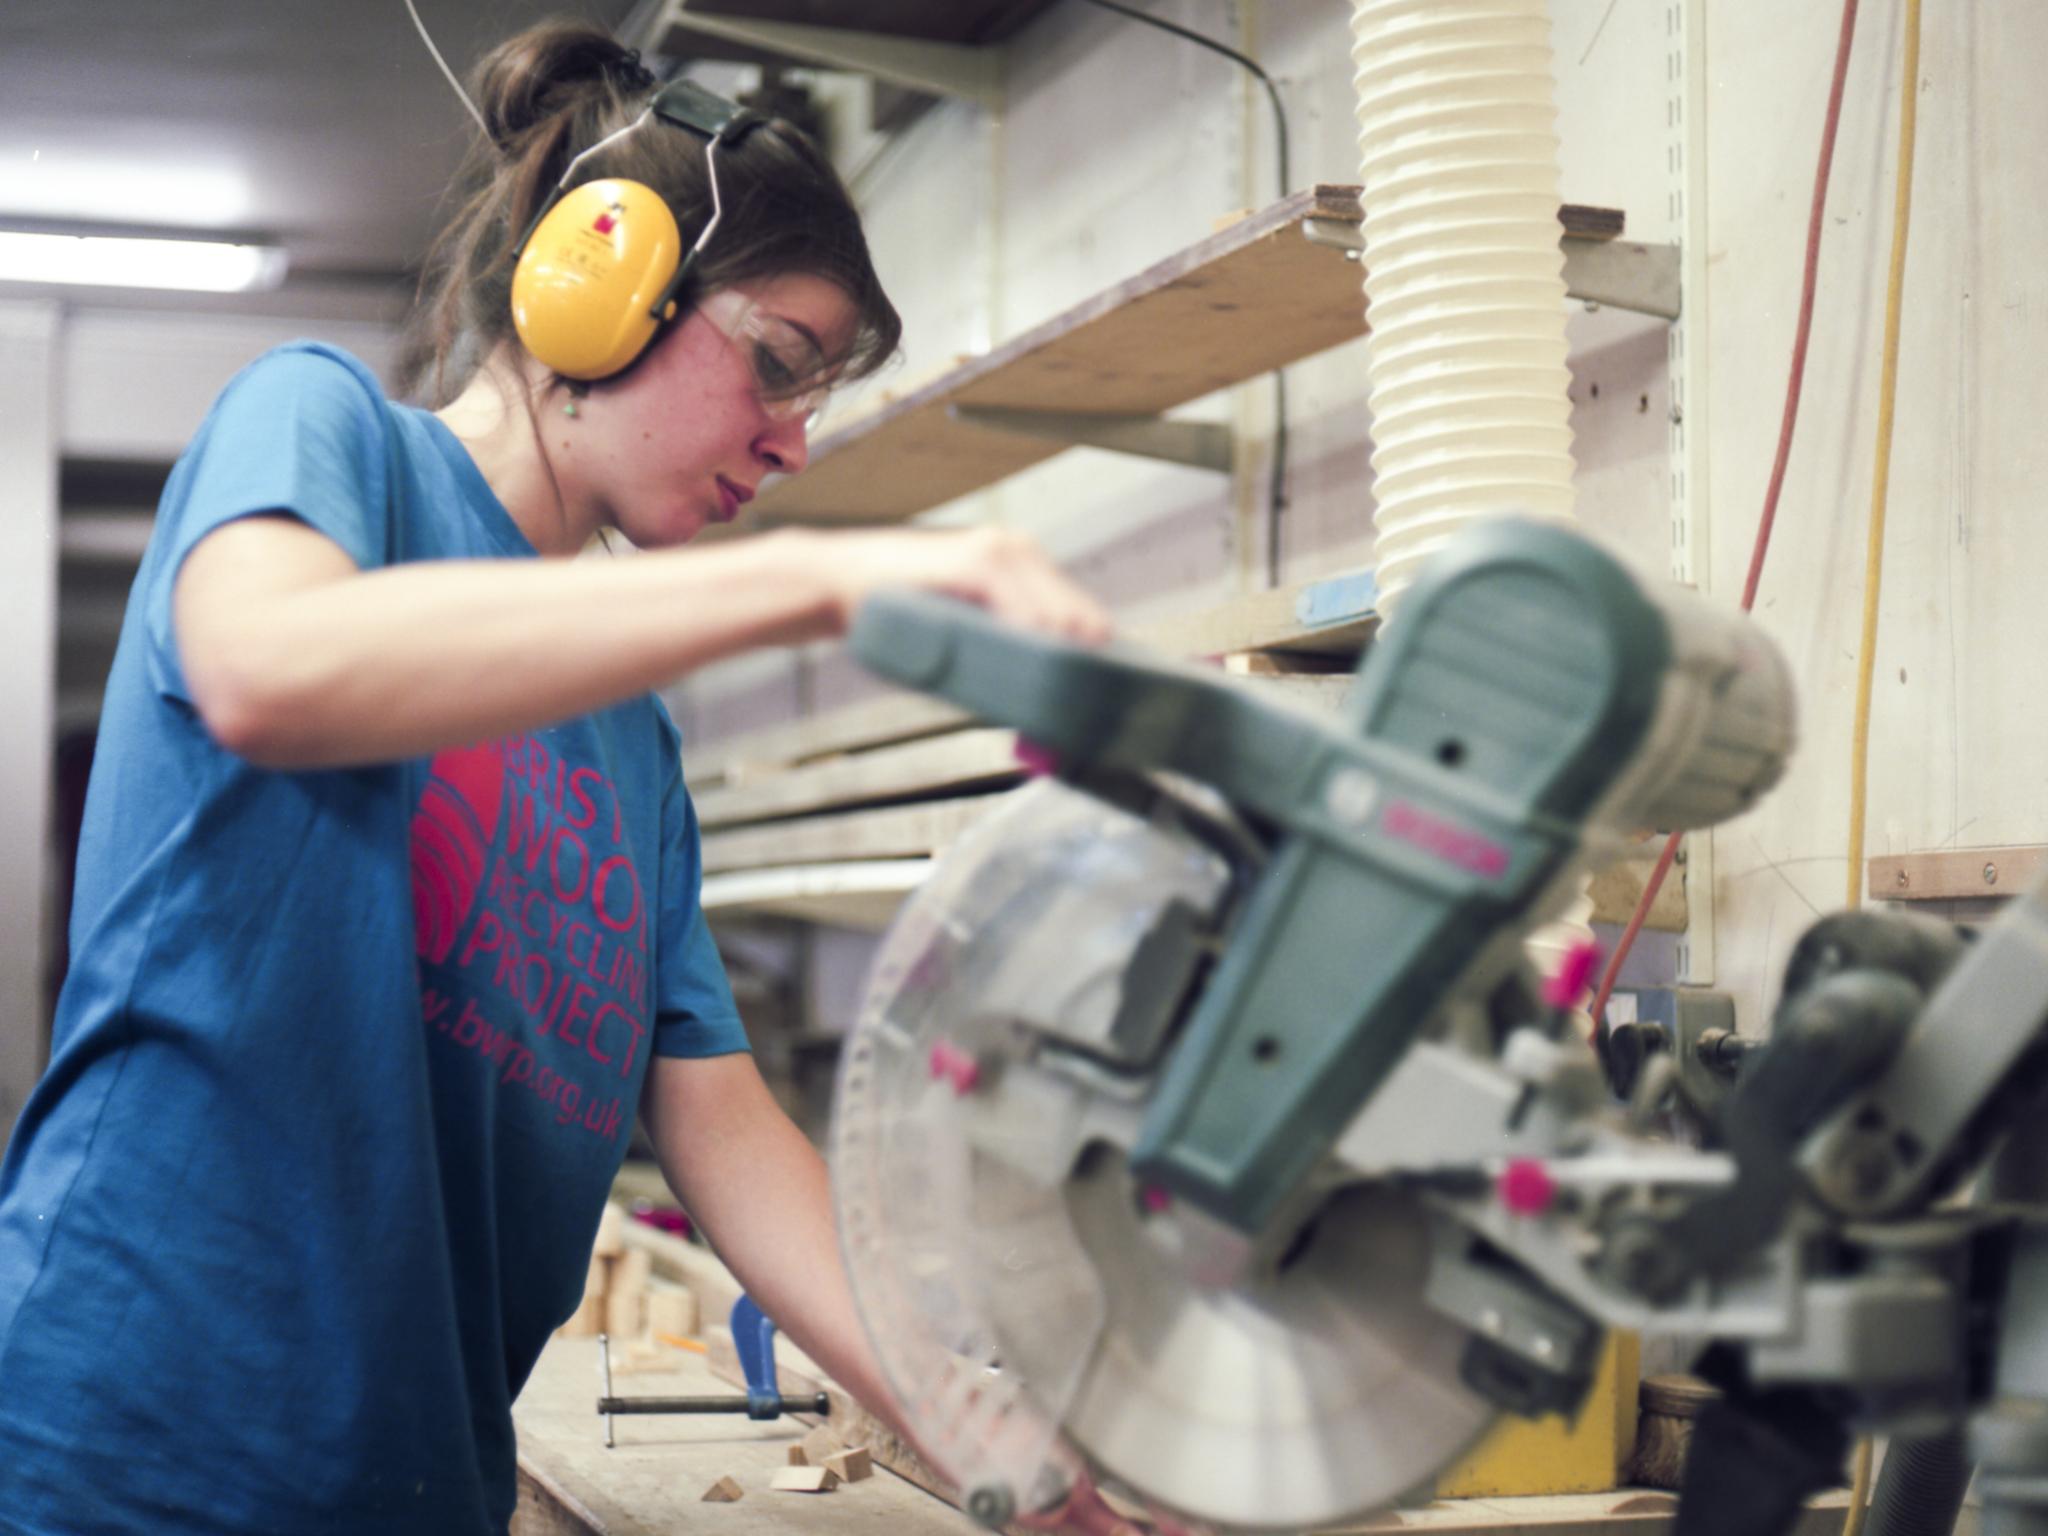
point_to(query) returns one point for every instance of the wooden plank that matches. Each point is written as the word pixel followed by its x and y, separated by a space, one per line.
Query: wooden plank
pixel 1249 299
pixel 960 760
pixel 1260 621
pixel 1617 888
pixel 895 832
pixel 863 894
pixel 1959 872
pixel 899 716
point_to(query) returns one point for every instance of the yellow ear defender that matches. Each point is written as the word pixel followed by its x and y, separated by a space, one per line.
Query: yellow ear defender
pixel 602 267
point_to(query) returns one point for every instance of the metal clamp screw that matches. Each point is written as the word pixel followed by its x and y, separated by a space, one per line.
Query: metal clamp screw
pixel 991 1505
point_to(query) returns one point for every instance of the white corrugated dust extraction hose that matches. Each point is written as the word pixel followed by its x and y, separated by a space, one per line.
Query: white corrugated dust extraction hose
pixel 1464 287
pixel 1464 284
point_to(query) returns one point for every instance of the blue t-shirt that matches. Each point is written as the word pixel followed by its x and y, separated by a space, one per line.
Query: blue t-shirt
pixel 346 1060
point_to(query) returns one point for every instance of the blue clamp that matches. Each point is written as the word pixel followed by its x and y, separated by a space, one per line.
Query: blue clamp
pixel 753 1334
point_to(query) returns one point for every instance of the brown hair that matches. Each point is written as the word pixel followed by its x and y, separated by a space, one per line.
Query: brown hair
pixel 553 91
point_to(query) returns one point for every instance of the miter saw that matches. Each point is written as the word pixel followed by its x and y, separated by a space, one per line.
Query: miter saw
pixel 1203 1127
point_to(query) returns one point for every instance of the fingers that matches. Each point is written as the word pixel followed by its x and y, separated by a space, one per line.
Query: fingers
pixel 1003 571
pixel 1025 587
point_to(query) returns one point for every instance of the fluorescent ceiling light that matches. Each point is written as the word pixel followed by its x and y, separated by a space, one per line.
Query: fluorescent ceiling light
pixel 121 261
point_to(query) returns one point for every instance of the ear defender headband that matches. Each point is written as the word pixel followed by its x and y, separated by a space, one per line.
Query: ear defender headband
pixel 602 267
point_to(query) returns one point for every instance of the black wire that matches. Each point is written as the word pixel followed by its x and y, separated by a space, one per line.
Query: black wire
pixel 1276 497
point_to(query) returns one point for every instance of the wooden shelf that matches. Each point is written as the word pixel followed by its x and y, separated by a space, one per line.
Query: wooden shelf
pixel 861 893
pixel 1267 291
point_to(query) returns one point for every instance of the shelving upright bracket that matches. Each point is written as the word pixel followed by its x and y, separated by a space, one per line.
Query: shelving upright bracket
pixel 1625 274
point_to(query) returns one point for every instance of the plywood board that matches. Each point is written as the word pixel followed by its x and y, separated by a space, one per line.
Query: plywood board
pixel 942 763
pixel 896 832
pixel 863 894
pixel 1251 298
pixel 1259 621
pixel 891 717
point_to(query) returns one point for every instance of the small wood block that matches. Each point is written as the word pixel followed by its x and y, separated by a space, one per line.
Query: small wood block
pixel 1645 1504
pixel 624 1312
pixel 820 1445
pixel 797 1458
pixel 805 1480
pixel 852 1465
pixel 672 1309
pixel 611 1228
pixel 598 1280
pixel 725 1491
pixel 642 1356
pixel 632 1271
pixel 587 1321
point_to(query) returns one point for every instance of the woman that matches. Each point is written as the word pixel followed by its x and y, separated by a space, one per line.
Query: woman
pixel 386 918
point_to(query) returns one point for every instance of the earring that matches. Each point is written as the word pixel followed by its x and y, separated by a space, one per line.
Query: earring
pixel 569 408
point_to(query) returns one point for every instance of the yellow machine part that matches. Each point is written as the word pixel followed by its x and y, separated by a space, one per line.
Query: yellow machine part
pixel 1590 1454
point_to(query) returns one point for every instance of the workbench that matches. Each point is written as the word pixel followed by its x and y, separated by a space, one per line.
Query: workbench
pixel 652 1482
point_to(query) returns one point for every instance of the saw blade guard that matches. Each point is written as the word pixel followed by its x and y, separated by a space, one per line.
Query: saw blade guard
pixel 980 1301
pixel 1031 1302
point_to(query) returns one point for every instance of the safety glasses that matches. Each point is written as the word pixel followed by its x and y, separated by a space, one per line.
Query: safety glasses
pixel 792 376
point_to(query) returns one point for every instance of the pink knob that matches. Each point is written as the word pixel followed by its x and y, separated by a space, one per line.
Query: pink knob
pixel 1569 984
pixel 1039 762
pixel 956 1066
pixel 1526 1187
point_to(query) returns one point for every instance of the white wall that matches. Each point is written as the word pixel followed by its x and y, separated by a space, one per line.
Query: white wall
pixel 137 383
pixel 1959 742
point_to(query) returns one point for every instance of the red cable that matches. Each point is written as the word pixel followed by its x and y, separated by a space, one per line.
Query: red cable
pixel 1777 482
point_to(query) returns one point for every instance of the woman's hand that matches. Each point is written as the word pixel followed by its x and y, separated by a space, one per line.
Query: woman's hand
pixel 1087 1513
pixel 1002 571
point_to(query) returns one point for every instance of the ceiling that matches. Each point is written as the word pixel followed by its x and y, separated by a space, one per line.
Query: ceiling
pixel 323 123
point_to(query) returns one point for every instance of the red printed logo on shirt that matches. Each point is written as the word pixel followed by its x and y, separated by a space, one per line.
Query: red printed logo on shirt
pixel 527 901
pixel 452 831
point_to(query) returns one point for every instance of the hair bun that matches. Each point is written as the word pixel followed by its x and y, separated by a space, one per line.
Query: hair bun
pixel 633 76
pixel 529 78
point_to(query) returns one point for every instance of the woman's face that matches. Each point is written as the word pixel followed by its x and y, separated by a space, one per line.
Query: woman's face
pixel 684 438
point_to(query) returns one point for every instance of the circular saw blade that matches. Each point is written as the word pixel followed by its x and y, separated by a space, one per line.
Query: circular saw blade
pixel 1306 1392
pixel 1020 1293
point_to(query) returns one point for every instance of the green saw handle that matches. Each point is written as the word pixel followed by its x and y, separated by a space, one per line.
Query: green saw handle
pixel 1534 701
